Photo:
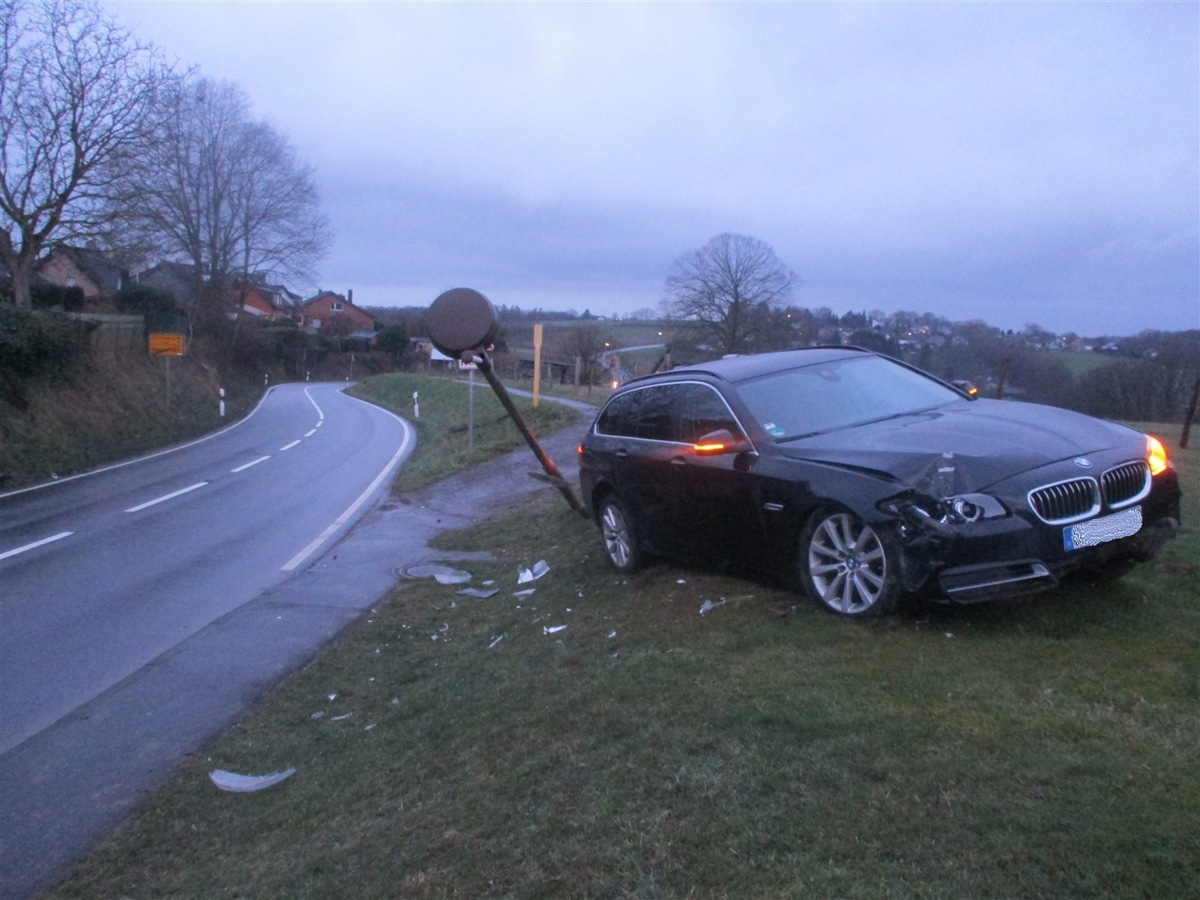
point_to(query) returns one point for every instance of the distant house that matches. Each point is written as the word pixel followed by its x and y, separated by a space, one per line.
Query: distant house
pixel 87 269
pixel 177 279
pixel 330 313
pixel 266 301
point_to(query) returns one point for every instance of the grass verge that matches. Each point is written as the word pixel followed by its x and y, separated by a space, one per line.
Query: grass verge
pixel 110 409
pixel 446 444
pixel 448 746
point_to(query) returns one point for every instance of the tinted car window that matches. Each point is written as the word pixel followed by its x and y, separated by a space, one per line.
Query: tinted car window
pixel 648 413
pixel 703 411
pixel 839 394
pixel 619 416
pixel 654 419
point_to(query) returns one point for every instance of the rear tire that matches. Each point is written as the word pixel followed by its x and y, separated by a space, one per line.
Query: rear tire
pixel 846 566
pixel 621 545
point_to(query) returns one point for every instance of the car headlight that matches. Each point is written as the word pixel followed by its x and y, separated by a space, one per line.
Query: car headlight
pixel 1156 455
pixel 973 507
pixel 957 510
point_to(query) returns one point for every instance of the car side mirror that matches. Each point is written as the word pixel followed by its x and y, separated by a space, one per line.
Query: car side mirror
pixel 720 441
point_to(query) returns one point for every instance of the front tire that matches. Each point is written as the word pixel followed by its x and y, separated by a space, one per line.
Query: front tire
pixel 846 566
pixel 620 542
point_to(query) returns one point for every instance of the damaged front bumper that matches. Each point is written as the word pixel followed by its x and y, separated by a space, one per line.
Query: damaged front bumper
pixel 943 556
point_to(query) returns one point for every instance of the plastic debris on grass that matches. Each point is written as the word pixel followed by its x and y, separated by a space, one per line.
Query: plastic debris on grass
pixel 452 577
pixel 553 629
pixel 244 784
pixel 708 606
pixel 539 568
pixel 497 640
pixel 481 593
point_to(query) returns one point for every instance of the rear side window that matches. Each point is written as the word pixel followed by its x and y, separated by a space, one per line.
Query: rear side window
pixel 649 413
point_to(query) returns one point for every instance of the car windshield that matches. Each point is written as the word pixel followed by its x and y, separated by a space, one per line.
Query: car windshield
pixel 839 394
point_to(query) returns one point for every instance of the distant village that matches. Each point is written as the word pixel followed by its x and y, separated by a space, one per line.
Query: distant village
pixel 85 282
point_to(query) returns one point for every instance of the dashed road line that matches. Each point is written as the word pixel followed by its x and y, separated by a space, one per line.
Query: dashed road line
pixel 165 497
pixel 16 550
pixel 244 467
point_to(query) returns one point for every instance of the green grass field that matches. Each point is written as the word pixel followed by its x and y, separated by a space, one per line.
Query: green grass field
pixel 468 748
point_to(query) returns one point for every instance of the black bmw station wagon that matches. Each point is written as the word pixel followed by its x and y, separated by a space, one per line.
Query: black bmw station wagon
pixel 864 479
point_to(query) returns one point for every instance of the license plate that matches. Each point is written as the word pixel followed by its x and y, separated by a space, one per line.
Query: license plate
pixel 1104 529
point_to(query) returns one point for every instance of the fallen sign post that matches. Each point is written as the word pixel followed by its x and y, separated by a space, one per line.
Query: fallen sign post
pixel 462 323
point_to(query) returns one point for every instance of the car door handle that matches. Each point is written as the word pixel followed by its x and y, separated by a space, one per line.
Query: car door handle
pixel 621 453
pixel 678 461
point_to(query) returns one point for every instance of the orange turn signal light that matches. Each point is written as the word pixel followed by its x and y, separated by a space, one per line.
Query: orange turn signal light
pixel 1156 455
pixel 711 447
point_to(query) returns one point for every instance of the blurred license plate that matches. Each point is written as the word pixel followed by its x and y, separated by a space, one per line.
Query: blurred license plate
pixel 1104 529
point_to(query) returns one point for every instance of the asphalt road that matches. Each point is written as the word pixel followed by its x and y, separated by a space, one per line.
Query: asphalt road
pixel 111 586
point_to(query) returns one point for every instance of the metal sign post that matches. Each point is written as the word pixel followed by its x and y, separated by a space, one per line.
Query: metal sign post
pixel 167 344
pixel 462 324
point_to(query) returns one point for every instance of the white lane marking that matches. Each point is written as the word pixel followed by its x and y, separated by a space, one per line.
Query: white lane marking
pixel 288 446
pixel 243 468
pixel 165 497
pixel 320 414
pixel 325 535
pixel 310 433
pixel 57 537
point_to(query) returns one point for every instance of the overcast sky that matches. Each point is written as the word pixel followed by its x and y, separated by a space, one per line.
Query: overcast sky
pixel 1011 162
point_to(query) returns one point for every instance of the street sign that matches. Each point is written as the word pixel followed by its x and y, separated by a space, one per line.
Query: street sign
pixel 163 343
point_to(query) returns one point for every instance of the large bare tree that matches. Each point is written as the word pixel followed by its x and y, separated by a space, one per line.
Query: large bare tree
pixel 227 195
pixel 725 291
pixel 77 97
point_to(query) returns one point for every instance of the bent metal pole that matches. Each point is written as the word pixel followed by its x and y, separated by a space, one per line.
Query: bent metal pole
pixel 553 475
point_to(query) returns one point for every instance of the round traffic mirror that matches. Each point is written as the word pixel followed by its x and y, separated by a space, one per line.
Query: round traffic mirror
pixel 461 319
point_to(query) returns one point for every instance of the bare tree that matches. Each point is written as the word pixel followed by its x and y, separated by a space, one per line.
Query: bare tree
pixel 585 343
pixel 77 95
pixel 228 196
pixel 726 290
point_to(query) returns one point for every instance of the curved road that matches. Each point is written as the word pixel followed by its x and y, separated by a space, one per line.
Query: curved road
pixel 103 575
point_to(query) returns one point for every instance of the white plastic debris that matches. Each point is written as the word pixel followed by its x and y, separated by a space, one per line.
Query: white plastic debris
pixel 242 784
pixel 708 606
pixel 553 629
pixel 320 713
pixel 612 634
pixel 496 640
pixel 540 568
pixel 341 718
pixel 479 592
pixel 454 577
pixel 525 593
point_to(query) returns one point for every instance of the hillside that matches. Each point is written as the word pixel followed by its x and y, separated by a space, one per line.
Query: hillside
pixel 95 407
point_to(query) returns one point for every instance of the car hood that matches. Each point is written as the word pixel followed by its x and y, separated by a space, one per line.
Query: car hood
pixel 990 440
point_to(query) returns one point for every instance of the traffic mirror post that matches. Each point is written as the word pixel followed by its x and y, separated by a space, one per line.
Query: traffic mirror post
pixel 462 324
